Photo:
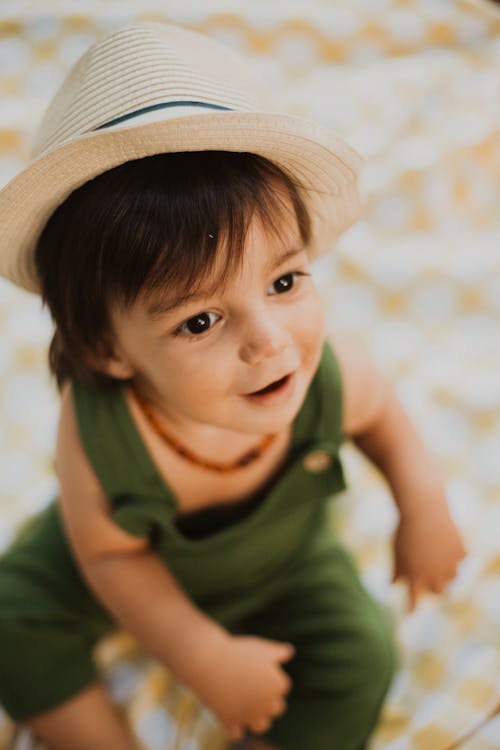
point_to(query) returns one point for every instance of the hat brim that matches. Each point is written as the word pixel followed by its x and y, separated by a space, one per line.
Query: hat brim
pixel 323 165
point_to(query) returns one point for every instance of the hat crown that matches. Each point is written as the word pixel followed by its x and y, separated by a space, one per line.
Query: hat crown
pixel 142 67
pixel 153 88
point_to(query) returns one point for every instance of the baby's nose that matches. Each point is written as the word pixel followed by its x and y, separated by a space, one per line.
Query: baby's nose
pixel 263 342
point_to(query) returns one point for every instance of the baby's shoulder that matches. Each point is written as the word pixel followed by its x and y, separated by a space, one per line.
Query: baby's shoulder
pixel 83 502
pixel 364 388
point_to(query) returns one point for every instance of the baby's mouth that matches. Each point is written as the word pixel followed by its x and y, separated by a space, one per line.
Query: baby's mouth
pixel 274 386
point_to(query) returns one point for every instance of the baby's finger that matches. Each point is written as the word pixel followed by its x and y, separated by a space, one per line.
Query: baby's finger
pixel 234 732
pixel 260 726
pixel 286 683
pixel 284 652
pixel 437 586
pixel 396 574
pixel 415 588
pixel 453 570
pixel 279 707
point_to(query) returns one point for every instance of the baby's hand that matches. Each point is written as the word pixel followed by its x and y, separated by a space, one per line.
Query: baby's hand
pixel 247 687
pixel 427 550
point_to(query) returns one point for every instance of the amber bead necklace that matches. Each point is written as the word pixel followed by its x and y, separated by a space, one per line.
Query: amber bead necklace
pixel 240 463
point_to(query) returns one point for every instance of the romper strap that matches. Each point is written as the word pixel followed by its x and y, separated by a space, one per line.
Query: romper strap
pixel 321 415
pixel 112 443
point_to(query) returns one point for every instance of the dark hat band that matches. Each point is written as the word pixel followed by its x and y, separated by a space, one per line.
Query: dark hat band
pixel 164 105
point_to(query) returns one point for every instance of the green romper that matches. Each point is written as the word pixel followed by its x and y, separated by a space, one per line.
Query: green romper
pixel 276 570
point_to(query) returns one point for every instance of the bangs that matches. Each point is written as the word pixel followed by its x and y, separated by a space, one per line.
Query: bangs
pixel 202 208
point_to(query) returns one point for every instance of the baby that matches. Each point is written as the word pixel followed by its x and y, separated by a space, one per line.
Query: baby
pixel 169 222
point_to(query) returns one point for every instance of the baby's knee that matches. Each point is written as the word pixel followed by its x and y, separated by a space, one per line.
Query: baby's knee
pixel 375 657
pixel 359 661
pixel 351 663
pixel 42 662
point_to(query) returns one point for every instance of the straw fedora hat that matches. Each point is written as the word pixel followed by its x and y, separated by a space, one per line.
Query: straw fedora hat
pixel 152 87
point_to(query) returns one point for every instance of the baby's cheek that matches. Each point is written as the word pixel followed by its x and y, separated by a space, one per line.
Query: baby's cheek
pixel 311 320
pixel 314 334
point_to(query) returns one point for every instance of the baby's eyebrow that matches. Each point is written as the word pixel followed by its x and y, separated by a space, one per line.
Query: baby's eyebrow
pixel 278 261
pixel 163 305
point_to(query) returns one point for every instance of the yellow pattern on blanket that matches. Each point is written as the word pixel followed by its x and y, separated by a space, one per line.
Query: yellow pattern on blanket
pixel 415 86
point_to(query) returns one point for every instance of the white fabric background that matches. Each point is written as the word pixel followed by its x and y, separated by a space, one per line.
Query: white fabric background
pixel 414 85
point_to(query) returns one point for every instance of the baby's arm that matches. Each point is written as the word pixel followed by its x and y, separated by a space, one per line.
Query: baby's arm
pixel 427 545
pixel 239 678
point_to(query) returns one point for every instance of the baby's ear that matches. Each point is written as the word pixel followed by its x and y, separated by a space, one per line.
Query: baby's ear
pixel 113 363
pixel 117 368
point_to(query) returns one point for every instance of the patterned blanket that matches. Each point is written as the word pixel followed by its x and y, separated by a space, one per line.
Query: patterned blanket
pixel 415 86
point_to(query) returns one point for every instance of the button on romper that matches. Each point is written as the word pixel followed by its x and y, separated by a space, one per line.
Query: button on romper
pixel 278 572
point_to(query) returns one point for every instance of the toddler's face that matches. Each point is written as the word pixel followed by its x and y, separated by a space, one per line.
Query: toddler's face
pixel 241 358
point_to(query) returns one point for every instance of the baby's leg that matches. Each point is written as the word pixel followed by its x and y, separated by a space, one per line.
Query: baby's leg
pixel 88 721
pixel 344 653
pixel 49 625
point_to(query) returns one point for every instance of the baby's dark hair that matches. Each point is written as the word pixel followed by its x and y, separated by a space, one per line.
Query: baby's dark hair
pixel 146 225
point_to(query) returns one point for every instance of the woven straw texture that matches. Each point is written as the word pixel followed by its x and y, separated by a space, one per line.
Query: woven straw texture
pixel 414 85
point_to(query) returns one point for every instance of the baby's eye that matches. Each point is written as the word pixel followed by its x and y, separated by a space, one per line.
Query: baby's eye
pixel 199 323
pixel 285 283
